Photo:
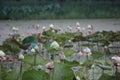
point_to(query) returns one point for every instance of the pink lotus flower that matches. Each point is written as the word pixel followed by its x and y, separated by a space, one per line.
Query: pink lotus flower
pixel 50 65
pixel 115 59
pixel 37 26
pixel 78 29
pixel 79 54
pixel 62 56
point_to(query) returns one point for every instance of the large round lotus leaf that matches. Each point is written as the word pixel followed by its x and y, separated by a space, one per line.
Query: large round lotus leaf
pixel 105 76
pixel 30 39
pixel 12 75
pixel 35 75
pixel 10 46
pixel 63 72
pixel 39 60
pixel 69 52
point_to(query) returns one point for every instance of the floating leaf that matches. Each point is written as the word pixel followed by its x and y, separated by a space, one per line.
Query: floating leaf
pixel 69 52
pixel 35 75
pixel 30 60
pixel 12 75
pixel 63 72
pixel 30 39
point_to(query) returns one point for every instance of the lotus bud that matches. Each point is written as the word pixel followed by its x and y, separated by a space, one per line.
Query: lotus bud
pixel 51 26
pixel 21 56
pixel 78 29
pixel 33 50
pixel 43 27
pixel 105 47
pixel 50 65
pixel 62 56
pixel 37 26
pixel 54 45
pixel 86 50
pixel 15 28
pixel 2 54
pixel 53 31
pixel 93 66
pixel 77 77
pixel 77 24
pixel 89 26
pixel 79 54
pixel 69 41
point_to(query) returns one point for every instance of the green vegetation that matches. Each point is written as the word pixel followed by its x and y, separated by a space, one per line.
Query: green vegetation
pixel 59 10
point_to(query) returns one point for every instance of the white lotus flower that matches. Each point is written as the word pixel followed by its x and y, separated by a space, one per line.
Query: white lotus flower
pixel 21 56
pixel 116 59
pixel 77 77
pixel 68 27
pixel 51 26
pixel 33 50
pixel 93 66
pixel 15 28
pixel 43 27
pixel 89 26
pixel 86 50
pixel 54 45
pixel 77 24
pixel 2 54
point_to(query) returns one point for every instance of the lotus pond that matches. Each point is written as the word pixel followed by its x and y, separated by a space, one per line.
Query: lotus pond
pixel 56 55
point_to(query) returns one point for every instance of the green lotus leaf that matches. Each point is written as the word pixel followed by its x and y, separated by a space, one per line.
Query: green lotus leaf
pixel 35 75
pixel 63 72
pixel 69 52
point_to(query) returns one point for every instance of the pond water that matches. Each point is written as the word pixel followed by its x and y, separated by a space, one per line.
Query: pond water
pixel 26 27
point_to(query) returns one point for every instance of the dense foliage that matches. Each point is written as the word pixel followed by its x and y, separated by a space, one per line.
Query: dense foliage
pixel 59 9
pixel 47 57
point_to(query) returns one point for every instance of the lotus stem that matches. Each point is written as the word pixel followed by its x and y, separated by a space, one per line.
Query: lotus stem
pixel 35 56
pixel 116 72
pixel 20 69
